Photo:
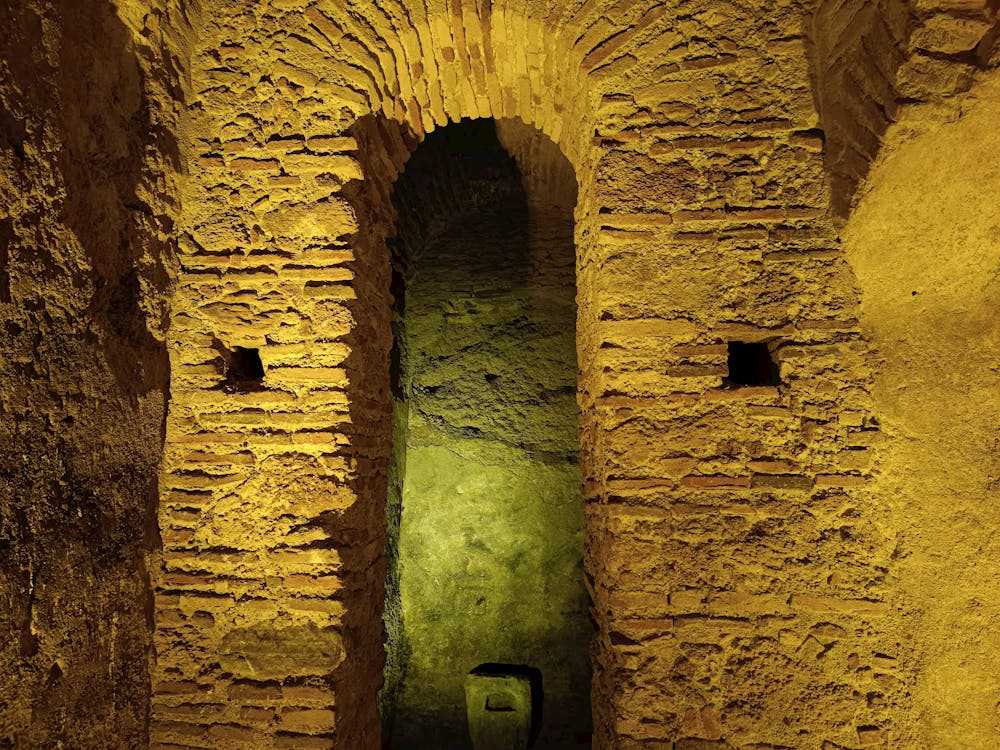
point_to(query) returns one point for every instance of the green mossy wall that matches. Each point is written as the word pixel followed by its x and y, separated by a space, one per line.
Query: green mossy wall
pixel 490 536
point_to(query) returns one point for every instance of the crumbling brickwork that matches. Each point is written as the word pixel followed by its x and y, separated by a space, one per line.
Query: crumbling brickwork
pixel 736 564
pixel 763 561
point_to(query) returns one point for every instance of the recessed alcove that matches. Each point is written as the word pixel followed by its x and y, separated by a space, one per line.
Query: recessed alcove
pixel 752 364
pixel 485 511
pixel 244 369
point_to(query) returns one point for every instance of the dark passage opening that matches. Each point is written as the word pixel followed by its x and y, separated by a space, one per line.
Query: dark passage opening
pixel 244 370
pixel 751 363
pixel 485 508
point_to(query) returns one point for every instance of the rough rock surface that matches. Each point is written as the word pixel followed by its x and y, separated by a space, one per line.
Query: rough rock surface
pixel 925 240
pixel 491 537
pixel 87 150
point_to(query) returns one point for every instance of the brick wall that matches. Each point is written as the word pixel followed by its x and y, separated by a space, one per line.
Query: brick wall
pixel 735 555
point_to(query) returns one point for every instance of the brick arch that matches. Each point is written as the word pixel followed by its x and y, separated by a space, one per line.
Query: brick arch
pixel 471 79
pixel 424 68
pixel 268 588
pixel 857 50
pixel 383 149
pixel 703 217
pixel 434 190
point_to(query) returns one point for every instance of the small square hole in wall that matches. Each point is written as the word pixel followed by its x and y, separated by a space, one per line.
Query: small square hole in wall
pixel 244 371
pixel 751 363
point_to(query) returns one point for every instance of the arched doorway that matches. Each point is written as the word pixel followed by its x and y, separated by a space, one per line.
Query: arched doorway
pixel 485 511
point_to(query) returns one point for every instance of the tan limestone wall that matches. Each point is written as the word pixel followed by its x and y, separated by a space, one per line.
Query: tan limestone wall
pixel 88 114
pixel 925 242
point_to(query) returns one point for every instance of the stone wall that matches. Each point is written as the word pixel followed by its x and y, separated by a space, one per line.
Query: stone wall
pixel 88 154
pixel 764 563
pixel 736 557
pixel 922 242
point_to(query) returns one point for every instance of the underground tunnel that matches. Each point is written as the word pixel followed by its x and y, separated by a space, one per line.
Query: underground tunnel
pixel 786 278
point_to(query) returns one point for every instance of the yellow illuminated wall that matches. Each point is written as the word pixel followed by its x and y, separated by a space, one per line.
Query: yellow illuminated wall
pixel 800 565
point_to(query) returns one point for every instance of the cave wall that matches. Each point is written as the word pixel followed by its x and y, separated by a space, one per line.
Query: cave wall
pixel 858 48
pixel 88 157
pixel 925 242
